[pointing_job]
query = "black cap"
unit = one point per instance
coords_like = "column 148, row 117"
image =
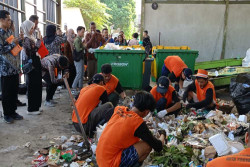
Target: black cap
column 106, row 69
column 97, row 78
column 162, row 84
column 188, row 73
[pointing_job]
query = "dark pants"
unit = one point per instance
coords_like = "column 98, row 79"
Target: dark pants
column 99, row 116
column 9, row 94
column 165, row 72
column 92, row 68
column 161, row 105
column 34, row 85
column 50, row 87
column 114, row 98
column 72, row 74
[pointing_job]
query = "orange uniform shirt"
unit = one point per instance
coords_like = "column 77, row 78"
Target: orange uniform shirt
column 87, row 101
column 175, row 64
column 111, row 84
column 201, row 93
column 242, row 159
column 157, row 96
column 117, row 136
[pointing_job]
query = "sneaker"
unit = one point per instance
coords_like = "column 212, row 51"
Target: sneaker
column 17, row 116
column 53, row 102
column 34, row 113
column 20, row 104
column 49, row 104
column 8, row 119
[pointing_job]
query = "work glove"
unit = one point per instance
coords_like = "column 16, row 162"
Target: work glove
column 162, row 113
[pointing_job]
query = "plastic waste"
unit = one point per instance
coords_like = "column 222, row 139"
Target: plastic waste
column 246, row 60
column 220, row 144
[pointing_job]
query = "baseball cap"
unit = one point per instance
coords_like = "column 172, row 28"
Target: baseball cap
column 97, row 78
column 162, row 84
column 188, row 73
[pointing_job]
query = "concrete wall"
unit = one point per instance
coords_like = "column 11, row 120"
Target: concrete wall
column 200, row 26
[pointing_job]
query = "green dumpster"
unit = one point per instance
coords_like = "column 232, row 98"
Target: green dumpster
column 126, row 65
column 188, row 56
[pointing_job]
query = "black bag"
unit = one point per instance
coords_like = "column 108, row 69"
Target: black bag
column 77, row 56
column 240, row 92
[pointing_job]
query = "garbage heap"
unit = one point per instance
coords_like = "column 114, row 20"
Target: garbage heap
column 197, row 136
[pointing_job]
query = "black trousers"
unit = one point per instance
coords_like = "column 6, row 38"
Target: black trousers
column 72, row 74
column 9, row 94
column 34, row 85
column 50, row 87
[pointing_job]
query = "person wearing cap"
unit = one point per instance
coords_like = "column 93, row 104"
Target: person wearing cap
column 241, row 159
column 167, row 101
column 126, row 140
column 205, row 96
column 90, row 111
column 178, row 70
column 112, row 85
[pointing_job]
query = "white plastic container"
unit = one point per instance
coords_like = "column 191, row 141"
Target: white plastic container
column 220, row 144
column 243, row 118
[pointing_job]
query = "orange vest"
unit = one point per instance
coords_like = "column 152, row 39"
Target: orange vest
column 87, row 101
column 111, row 84
column 175, row 64
column 157, row 96
column 242, row 159
column 201, row 93
column 117, row 136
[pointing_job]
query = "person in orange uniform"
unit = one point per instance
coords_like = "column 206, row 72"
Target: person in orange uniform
column 126, row 140
column 241, row 159
column 178, row 70
column 201, row 93
column 167, row 101
column 112, row 85
column 87, row 104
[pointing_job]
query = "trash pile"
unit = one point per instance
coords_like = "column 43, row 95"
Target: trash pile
column 195, row 138
column 69, row 153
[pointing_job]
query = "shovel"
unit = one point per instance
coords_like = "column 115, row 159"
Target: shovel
column 77, row 115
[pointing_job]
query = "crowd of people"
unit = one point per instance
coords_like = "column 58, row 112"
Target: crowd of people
column 126, row 140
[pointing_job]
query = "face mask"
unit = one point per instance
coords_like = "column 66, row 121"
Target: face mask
column 92, row 32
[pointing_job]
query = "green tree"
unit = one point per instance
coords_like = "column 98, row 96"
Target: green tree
column 92, row 10
column 123, row 15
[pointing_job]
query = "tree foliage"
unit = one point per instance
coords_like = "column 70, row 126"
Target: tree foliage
column 92, row 10
column 123, row 15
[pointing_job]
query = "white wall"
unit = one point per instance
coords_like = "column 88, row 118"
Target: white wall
column 200, row 26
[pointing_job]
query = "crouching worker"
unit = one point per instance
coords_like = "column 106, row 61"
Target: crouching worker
column 178, row 70
column 201, row 93
column 90, row 111
column 112, row 85
column 126, row 140
column 167, row 101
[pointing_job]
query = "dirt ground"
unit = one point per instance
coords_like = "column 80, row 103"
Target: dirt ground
column 40, row 130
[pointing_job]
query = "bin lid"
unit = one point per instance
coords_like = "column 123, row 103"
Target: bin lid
column 175, row 51
column 119, row 51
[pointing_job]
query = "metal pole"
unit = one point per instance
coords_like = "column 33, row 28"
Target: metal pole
column 77, row 115
column 225, row 31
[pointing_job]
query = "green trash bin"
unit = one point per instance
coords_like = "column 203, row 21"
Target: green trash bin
column 188, row 56
column 126, row 65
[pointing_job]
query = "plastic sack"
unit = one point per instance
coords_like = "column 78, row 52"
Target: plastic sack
column 246, row 60
column 240, row 93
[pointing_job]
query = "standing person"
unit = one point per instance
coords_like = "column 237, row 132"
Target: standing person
column 201, row 93
column 34, row 77
column 241, row 159
column 121, row 41
column 50, row 65
column 68, row 52
column 146, row 43
column 9, row 70
column 78, row 56
column 167, row 101
column 88, row 106
column 126, row 140
column 12, row 28
column 134, row 41
column 93, row 40
column 52, row 41
column 178, row 70
column 124, row 39
column 108, row 38
column 35, row 19
column 112, row 85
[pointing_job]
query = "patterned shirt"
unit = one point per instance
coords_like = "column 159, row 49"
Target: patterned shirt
column 55, row 46
column 9, row 65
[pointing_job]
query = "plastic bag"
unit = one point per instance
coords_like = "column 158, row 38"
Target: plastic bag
column 246, row 60
column 240, row 93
